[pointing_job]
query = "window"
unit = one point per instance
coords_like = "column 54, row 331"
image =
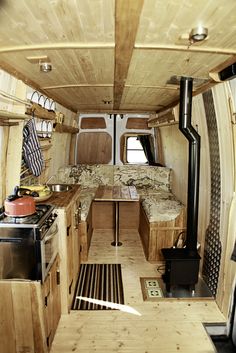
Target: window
column 134, row 151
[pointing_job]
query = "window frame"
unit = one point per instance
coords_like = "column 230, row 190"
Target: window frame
column 134, row 134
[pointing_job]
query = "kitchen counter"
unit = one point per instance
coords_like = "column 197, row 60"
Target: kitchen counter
column 65, row 198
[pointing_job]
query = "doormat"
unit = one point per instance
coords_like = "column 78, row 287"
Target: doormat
column 99, row 287
column 151, row 289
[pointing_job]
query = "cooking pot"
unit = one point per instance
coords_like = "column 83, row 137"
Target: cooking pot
column 18, row 205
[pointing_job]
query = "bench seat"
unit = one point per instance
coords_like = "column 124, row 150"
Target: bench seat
column 161, row 206
column 162, row 216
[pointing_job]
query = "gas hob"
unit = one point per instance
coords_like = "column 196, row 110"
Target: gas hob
column 34, row 220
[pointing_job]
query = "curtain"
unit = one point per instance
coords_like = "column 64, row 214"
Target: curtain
column 146, row 142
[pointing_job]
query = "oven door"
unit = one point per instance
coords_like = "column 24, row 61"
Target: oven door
column 17, row 253
column 49, row 249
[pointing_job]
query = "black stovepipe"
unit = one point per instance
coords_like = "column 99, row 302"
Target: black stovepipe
column 191, row 134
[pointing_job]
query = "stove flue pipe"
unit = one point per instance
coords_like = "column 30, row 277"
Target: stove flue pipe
column 191, row 134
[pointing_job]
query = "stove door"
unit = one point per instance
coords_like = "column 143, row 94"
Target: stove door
column 17, row 255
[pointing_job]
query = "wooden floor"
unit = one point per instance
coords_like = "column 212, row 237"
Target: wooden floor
column 166, row 326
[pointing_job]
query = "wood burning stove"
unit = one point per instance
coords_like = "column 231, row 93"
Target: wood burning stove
column 182, row 265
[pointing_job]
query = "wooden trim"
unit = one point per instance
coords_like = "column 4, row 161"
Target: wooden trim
column 83, row 85
column 127, row 14
column 168, row 87
column 116, row 111
column 55, row 46
column 11, row 115
column 159, row 147
column 186, row 48
column 153, row 124
column 65, row 128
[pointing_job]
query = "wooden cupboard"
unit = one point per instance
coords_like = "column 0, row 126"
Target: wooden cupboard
column 52, row 301
column 69, row 249
column 29, row 313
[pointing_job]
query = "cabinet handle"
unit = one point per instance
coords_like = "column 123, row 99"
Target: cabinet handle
column 48, row 339
column 70, row 286
column 68, row 230
column 46, row 301
column 58, row 277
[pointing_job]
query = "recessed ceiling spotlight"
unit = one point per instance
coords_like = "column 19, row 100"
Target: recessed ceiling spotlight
column 45, row 66
column 198, row 34
column 106, row 101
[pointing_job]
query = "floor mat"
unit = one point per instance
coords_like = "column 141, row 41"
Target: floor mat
column 101, row 282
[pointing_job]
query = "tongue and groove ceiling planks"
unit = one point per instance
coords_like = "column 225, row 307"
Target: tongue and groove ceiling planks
column 123, row 51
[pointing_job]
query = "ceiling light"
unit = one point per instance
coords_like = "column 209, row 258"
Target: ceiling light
column 106, row 101
column 45, row 66
column 198, row 34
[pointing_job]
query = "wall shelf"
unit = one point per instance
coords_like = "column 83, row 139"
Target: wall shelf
column 40, row 112
column 165, row 118
column 10, row 118
column 65, row 128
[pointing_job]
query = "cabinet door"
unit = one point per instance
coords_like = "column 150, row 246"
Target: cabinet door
column 52, row 301
column 56, row 296
column 48, row 308
column 76, row 240
column 70, row 260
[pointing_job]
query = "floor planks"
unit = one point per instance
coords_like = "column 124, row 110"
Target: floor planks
column 166, row 326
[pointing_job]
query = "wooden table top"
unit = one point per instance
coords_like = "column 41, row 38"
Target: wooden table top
column 116, row 193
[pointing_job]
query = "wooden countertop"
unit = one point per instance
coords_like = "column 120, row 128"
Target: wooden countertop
column 65, row 198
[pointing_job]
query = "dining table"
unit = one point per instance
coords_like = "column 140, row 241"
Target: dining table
column 116, row 194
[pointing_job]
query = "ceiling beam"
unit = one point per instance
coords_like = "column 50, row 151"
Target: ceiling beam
column 127, row 14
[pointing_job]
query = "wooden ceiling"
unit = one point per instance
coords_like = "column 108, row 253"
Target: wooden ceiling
column 124, row 52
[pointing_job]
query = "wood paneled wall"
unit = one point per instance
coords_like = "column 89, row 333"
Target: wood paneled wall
column 175, row 156
column 227, row 138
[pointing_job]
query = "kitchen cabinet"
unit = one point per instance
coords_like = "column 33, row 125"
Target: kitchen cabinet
column 22, row 320
column 69, row 250
column 52, row 301
column 30, row 312
column 70, row 255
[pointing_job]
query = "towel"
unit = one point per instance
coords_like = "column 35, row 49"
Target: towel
column 31, row 148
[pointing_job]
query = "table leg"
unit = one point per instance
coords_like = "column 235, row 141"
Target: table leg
column 116, row 241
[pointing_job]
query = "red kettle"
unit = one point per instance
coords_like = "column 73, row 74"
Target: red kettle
column 17, row 205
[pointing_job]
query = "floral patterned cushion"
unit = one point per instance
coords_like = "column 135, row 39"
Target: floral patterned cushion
column 161, row 207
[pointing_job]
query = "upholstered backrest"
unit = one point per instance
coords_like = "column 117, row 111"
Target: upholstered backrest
column 138, row 175
column 88, row 175
column 143, row 176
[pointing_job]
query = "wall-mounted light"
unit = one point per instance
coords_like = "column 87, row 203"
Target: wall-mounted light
column 45, row 66
column 198, row 34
